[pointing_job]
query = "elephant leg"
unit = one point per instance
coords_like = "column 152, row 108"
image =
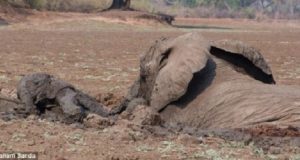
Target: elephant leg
column 66, row 98
column 27, row 99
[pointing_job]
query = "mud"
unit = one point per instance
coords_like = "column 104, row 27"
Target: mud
column 160, row 18
column 9, row 110
column 264, row 136
column 148, row 123
column 272, row 131
column 3, row 22
column 129, row 15
column 109, row 100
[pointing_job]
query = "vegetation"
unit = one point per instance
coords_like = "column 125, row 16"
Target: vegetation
column 237, row 8
column 37, row 4
column 61, row 5
column 187, row 8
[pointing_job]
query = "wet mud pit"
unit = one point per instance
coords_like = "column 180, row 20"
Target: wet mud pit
column 267, row 137
column 263, row 136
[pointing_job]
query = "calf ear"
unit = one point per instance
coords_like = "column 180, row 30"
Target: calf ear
column 243, row 56
column 55, row 86
column 183, row 56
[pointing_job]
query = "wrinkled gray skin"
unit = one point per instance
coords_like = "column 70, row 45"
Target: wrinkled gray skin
column 38, row 91
column 222, row 84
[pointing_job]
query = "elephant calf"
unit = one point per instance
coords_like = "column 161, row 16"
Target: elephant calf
column 39, row 90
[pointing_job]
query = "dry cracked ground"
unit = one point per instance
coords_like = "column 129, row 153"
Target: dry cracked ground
column 101, row 55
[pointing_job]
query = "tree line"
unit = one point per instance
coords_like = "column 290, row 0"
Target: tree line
column 194, row 8
column 276, row 8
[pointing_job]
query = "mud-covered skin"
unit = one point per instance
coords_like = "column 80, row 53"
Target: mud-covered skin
column 39, row 90
column 224, row 84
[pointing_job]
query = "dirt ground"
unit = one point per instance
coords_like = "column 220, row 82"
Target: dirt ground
column 100, row 54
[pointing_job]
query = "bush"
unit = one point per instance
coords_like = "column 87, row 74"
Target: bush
column 249, row 13
column 77, row 5
column 14, row 3
column 60, row 5
column 142, row 5
column 36, row 4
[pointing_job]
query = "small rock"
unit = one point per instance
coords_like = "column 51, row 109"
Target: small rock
column 72, row 149
column 32, row 117
column 109, row 157
column 137, row 136
column 125, row 115
column 144, row 115
column 48, row 135
column 157, row 131
column 9, row 93
column 77, row 125
column 213, row 140
column 188, row 139
column 283, row 157
column 274, row 150
column 18, row 137
column 96, row 121
column 108, row 99
column 31, row 143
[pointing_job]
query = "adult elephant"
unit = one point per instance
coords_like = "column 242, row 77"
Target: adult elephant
column 223, row 84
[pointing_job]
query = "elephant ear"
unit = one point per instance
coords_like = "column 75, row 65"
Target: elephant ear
column 243, row 56
column 55, row 86
column 184, row 56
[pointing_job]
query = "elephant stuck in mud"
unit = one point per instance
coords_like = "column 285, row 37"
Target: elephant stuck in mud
column 39, row 92
column 222, row 84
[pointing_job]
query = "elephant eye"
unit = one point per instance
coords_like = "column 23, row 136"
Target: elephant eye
column 36, row 82
column 164, row 58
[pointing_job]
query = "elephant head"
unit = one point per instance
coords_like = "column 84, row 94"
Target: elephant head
column 191, row 81
column 168, row 67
